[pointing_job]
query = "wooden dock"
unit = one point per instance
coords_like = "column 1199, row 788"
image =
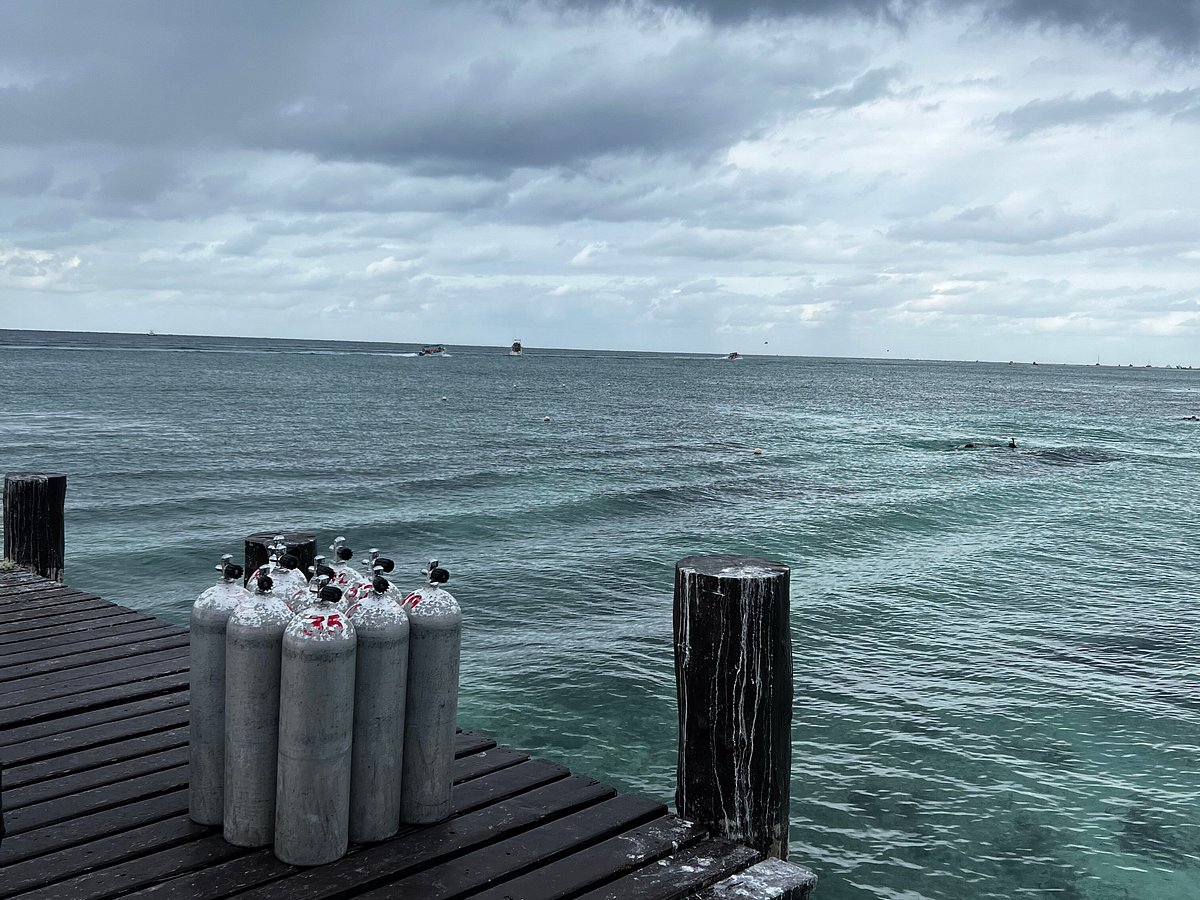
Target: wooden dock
column 93, row 744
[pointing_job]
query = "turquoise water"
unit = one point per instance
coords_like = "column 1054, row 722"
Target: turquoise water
column 997, row 654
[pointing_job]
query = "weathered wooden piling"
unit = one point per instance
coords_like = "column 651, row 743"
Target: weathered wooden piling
column 300, row 544
column 733, row 676
column 34, row 521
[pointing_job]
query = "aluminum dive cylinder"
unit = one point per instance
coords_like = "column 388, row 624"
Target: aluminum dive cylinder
column 316, row 721
column 430, row 717
column 288, row 577
column 380, row 688
column 345, row 576
column 302, row 596
column 208, row 623
column 253, row 644
column 284, row 569
column 364, row 585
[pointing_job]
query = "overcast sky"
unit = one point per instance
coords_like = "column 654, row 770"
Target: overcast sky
column 1009, row 179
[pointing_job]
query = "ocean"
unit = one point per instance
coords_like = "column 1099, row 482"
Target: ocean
column 997, row 664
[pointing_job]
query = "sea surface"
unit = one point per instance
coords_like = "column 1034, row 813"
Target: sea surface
column 997, row 651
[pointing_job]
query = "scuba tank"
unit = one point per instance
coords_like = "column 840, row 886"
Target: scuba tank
column 316, row 721
column 306, row 594
column 284, row 569
column 362, row 587
column 210, row 616
column 253, row 643
column 430, row 717
column 381, row 675
column 345, row 576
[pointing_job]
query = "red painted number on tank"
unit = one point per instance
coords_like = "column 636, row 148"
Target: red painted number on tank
column 331, row 621
column 412, row 599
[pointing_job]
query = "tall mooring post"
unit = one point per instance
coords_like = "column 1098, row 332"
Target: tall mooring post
column 733, row 677
column 34, row 522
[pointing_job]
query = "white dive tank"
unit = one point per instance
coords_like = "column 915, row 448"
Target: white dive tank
column 345, row 576
column 364, row 584
column 302, row 596
column 253, row 644
column 381, row 625
column 284, row 569
column 430, row 717
column 209, row 619
column 316, row 721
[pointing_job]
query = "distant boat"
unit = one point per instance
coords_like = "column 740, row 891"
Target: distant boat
column 734, row 355
column 432, row 350
column 515, row 350
column 151, row 332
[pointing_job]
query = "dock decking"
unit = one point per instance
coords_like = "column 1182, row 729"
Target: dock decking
column 93, row 743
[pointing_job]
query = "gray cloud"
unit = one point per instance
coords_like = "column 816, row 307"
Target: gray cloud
column 621, row 175
column 1023, row 225
column 29, row 183
column 368, row 87
column 1095, row 110
column 1173, row 23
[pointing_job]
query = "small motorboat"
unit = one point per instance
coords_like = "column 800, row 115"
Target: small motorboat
column 734, row 355
column 431, row 350
column 515, row 349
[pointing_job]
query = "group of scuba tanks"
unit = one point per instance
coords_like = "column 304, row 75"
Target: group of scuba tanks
column 323, row 710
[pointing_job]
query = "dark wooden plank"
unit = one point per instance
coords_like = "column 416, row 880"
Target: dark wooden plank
column 383, row 863
column 771, row 879
column 64, row 622
column 602, row 863
column 26, row 613
column 684, row 873
column 483, row 763
column 106, row 696
column 66, row 764
column 84, row 828
column 470, row 742
column 96, row 777
column 464, row 875
column 64, row 665
column 15, row 584
column 48, row 685
column 177, row 872
column 42, row 871
column 93, row 727
column 43, row 597
column 18, row 576
column 78, row 641
column 174, row 832
column 62, row 809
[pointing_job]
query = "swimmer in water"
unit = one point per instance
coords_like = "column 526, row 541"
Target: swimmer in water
column 1012, row 443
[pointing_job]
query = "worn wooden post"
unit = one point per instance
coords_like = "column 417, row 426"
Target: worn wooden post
column 300, row 544
column 733, row 677
column 34, row 523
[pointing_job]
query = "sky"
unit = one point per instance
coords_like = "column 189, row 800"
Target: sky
column 940, row 179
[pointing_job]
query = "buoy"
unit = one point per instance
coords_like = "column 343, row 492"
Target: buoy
column 316, row 718
column 758, row 451
column 430, row 719
column 208, row 624
column 380, row 687
column 545, row 418
column 253, row 642
column 443, row 398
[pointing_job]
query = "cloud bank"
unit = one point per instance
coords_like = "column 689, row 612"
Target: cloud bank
column 936, row 179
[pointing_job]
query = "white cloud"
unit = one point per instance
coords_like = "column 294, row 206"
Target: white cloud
column 961, row 187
